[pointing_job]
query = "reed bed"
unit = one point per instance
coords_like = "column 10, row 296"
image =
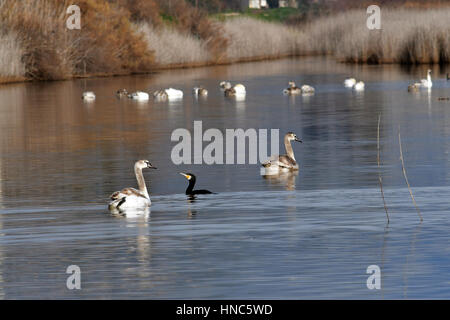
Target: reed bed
column 172, row 47
column 11, row 66
column 408, row 36
column 251, row 38
column 130, row 36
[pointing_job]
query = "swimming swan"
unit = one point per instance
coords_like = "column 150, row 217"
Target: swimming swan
column 174, row 93
column 292, row 89
column 224, row 85
column 359, row 86
column 200, row 91
column 427, row 82
column 88, row 96
column 122, row 93
column 284, row 162
column 350, row 82
column 307, row 89
column 139, row 95
column 130, row 198
column 238, row 90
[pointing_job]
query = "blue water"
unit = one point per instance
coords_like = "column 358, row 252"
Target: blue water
column 305, row 236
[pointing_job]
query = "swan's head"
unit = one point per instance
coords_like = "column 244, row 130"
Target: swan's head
column 429, row 71
column 142, row 164
column 291, row 84
column 292, row 136
column 188, row 176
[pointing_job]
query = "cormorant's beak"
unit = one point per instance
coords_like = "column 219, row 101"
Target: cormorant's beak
column 185, row 175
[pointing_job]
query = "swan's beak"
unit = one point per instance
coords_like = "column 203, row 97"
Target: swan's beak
column 298, row 140
column 150, row 166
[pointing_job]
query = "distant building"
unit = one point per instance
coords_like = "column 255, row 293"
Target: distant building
column 254, row 4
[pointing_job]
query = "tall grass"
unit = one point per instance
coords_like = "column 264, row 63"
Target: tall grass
column 11, row 66
column 172, row 47
column 407, row 36
column 251, row 38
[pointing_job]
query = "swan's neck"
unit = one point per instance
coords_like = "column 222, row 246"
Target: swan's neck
column 141, row 181
column 287, row 145
column 429, row 78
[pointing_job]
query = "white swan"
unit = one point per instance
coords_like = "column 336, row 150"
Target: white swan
column 235, row 91
column 307, row 89
column 174, row 93
column 359, row 86
column 350, row 82
column 139, row 95
column 285, row 162
column 427, row 82
column 292, row 89
column 88, row 96
column 224, row 85
column 130, row 198
column 200, row 91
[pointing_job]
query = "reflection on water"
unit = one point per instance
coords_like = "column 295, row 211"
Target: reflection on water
column 307, row 234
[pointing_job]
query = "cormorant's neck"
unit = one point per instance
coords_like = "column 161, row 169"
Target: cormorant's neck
column 191, row 185
column 287, row 145
column 140, row 181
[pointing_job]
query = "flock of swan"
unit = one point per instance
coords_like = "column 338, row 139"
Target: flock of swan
column 133, row 199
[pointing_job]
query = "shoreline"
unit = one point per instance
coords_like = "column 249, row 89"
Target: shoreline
column 158, row 68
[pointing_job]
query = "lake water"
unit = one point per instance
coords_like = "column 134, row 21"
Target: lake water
column 305, row 236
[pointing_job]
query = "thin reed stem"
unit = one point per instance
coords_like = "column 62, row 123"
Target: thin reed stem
column 380, row 179
column 404, row 174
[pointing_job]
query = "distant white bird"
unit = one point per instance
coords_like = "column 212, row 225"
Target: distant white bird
column 307, row 89
column 174, row 93
column 200, row 91
column 235, row 91
column 139, row 95
column 359, row 86
column 292, row 89
column 225, row 85
column 349, row 83
column 88, row 96
column 427, row 82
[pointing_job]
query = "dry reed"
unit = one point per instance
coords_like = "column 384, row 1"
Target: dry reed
column 406, row 177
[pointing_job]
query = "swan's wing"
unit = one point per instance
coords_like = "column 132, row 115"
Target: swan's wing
column 125, row 193
column 285, row 161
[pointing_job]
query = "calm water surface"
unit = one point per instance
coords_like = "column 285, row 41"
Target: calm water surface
column 310, row 235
